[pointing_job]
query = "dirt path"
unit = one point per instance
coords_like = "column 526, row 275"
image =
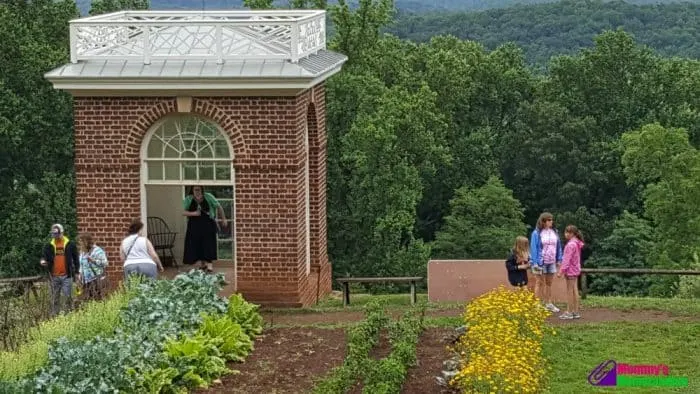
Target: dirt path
column 430, row 354
column 591, row 315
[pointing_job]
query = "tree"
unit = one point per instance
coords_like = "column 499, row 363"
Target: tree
column 479, row 92
column 387, row 153
column 483, row 223
column 648, row 153
column 628, row 246
column 663, row 162
column 358, row 30
column 258, row 4
column 106, row 6
column 36, row 138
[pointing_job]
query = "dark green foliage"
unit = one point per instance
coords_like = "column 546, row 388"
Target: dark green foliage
column 482, row 224
column 36, row 139
column 626, row 247
column 106, row 6
column 564, row 27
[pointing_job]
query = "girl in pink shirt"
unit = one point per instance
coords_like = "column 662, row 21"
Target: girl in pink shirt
column 571, row 269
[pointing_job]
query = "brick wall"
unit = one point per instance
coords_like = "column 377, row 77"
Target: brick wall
column 463, row 280
column 267, row 134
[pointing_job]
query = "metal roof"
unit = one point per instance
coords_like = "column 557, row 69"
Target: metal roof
column 310, row 67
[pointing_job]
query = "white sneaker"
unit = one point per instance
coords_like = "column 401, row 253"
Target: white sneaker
column 566, row 316
column 552, row 308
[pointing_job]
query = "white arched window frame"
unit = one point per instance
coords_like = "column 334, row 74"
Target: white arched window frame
column 186, row 149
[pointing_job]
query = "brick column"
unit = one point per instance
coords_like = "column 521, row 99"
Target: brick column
column 312, row 115
column 270, row 211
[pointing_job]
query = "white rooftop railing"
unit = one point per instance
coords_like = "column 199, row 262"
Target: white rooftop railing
column 198, row 35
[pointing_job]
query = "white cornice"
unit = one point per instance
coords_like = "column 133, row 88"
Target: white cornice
column 121, row 87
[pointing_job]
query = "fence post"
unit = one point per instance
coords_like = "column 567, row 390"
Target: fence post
column 584, row 285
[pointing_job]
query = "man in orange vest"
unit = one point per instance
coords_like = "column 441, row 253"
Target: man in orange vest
column 62, row 261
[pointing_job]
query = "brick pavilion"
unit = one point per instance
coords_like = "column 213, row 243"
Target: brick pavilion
column 230, row 100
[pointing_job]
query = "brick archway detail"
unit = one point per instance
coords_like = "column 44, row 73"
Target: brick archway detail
column 200, row 107
column 227, row 123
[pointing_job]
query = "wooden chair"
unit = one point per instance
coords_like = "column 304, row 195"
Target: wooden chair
column 162, row 238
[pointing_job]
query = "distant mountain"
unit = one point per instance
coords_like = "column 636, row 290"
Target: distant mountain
column 416, row 6
column 545, row 30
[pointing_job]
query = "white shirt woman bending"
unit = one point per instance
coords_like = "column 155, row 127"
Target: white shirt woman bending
column 138, row 254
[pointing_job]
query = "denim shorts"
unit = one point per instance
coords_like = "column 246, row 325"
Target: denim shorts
column 545, row 269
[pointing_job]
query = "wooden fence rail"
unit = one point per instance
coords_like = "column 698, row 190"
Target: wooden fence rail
column 629, row 271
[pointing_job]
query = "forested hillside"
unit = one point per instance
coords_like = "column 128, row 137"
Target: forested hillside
column 403, row 5
column 563, row 28
column 436, row 149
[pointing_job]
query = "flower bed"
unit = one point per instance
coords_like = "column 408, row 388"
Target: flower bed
column 173, row 335
column 501, row 350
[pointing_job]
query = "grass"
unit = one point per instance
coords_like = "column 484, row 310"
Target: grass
column 675, row 306
column 577, row 349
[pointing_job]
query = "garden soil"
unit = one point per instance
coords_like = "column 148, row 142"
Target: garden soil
column 285, row 361
column 289, row 360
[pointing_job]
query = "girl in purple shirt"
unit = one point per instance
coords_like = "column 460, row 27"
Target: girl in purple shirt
column 546, row 255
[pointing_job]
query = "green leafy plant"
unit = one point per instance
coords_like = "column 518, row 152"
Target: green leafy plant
column 361, row 339
column 175, row 305
column 197, row 360
column 387, row 375
column 229, row 337
column 245, row 314
column 158, row 381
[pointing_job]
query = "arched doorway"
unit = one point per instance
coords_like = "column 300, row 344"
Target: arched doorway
column 183, row 150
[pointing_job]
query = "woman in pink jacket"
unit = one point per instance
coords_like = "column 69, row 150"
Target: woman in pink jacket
column 571, row 269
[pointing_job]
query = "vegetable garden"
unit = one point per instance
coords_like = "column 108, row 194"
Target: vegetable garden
column 176, row 336
column 163, row 336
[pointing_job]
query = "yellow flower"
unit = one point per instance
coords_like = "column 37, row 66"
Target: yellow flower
column 506, row 328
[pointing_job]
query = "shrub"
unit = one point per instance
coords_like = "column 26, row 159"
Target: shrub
column 502, row 348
